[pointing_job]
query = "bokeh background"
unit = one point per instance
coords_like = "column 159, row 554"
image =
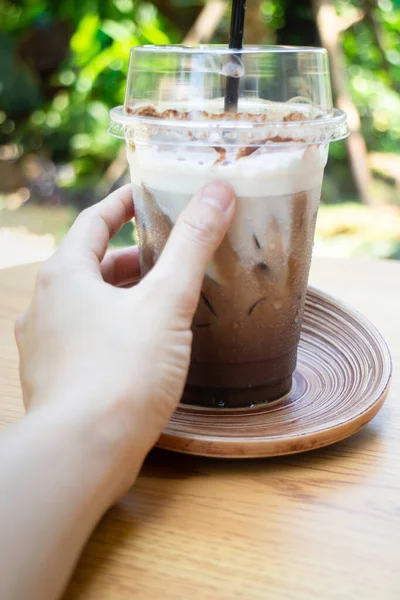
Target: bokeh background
column 63, row 66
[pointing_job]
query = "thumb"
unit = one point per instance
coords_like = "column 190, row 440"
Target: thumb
column 198, row 232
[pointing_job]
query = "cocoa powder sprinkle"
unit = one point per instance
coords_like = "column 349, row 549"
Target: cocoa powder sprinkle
column 172, row 113
column 244, row 151
column 222, row 154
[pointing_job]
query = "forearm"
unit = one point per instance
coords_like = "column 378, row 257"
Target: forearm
column 59, row 474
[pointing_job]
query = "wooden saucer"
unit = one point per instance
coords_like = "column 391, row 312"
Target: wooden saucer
column 341, row 381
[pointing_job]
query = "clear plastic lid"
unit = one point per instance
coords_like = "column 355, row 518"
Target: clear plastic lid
column 284, row 96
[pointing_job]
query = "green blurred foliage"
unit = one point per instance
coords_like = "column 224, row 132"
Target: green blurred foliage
column 60, row 107
column 375, row 76
column 63, row 65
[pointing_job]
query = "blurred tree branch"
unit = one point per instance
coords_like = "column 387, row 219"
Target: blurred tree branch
column 256, row 31
column 206, row 23
column 376, row 28
column 347, row 21
column 328, row 27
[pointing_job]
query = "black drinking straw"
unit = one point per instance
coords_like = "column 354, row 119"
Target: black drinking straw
column 235, row 43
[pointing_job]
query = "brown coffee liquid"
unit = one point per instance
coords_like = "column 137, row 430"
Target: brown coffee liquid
column 247, row 325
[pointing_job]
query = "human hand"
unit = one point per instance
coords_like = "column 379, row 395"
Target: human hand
column 119, row 357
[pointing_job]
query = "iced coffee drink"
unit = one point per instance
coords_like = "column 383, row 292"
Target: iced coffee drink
column 247, row 325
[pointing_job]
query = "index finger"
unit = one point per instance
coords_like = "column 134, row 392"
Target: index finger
column 95, row 226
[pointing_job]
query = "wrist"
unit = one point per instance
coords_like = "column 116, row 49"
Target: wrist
column 93, row 433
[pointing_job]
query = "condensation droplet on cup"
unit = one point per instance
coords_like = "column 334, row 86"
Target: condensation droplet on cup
column 235, row 325
column 272, row 246
column 278, row 304
column 232, row 69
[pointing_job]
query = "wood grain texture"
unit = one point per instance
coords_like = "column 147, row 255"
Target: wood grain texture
column 323, row 525
column 341, row 380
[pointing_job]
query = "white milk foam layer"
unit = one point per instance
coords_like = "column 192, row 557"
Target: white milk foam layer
column 266, row 172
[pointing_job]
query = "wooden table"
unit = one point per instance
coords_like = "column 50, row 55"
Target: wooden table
column 321, row 525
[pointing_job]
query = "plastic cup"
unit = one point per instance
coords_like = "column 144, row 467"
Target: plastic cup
column 273, row 152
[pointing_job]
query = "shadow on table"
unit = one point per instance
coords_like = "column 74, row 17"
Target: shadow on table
column 164, row 478
column 172, row 465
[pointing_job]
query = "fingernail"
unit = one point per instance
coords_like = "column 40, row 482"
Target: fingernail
column 218, row 194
